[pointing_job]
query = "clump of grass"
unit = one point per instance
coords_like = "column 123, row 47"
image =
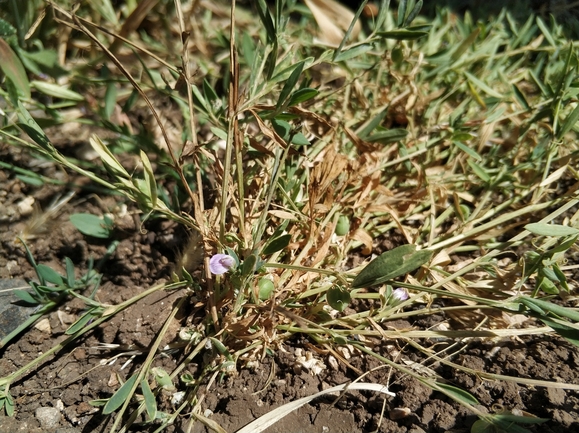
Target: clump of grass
column 454, row 138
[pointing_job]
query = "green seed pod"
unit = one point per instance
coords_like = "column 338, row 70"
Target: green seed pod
column 465, row 211
column 397, row 55
column 343, row 225
column 266, row 288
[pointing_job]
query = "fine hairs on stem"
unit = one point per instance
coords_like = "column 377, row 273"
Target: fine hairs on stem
column 191, row 256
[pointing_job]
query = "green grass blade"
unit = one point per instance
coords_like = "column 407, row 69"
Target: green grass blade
column 349, row 31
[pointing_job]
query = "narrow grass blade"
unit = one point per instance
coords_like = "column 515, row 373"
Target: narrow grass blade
column 464, row 45
column 350, row 29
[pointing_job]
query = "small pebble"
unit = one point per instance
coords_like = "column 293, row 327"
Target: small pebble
column 49, row 417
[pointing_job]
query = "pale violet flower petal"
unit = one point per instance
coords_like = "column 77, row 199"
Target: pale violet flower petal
column 400, row 295
column 221, row 263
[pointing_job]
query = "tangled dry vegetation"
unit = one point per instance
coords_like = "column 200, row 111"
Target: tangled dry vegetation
column 355, row 175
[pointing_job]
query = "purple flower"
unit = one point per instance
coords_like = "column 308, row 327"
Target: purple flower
column 399, row 295
column 221, row 263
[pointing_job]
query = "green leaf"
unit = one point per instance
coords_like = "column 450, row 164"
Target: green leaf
column 220, row 347
column 282, row 128
column 91, row 225
column 150, row 182
column 482, row 426
column 457, row 394
column 560, row 277
column 521, row 98
column 70, row 277
column 31, row 180
column 383, row 10
column 108, row 158
column 56, row 91
column 338, row 298
column 353, row 52
column 413, row 13
column 338, row 51
column 342, row 226
column 543, row 229
column 520, row 419
column 567, row 332
column 248, row 266
column 33, row 129
column 546, row 32
column 302, row 95
column 266, row 19
column 26, row 297
column 388, row 136
column 394, row 263
column 403, row 34
column 123, row 393
column 276, row 244
column 110, row 100
column 483, row 86
column 290, row 84
column 13, row 69
column 81, row 322
column 478, row 170
column 464, row 45
column 9, row 405
column 209, row 91
column 300, row 139
column 49, row 275
column 569, row 123
column 467, row 150
column 163, row 378
column 541, row 307
column 402, row 5
column 150, row 401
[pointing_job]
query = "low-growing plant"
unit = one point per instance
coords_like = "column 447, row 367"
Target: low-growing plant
column 444, row 134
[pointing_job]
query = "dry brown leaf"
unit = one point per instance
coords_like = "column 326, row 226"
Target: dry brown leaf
column 283, row 215
column 362, row 235
column 452, row 287
column 333, row 20
column 441, row 259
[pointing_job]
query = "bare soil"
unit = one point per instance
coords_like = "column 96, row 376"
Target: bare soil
column 87, row 370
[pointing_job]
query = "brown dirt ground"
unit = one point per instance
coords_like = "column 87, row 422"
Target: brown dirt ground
column 84, row 372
